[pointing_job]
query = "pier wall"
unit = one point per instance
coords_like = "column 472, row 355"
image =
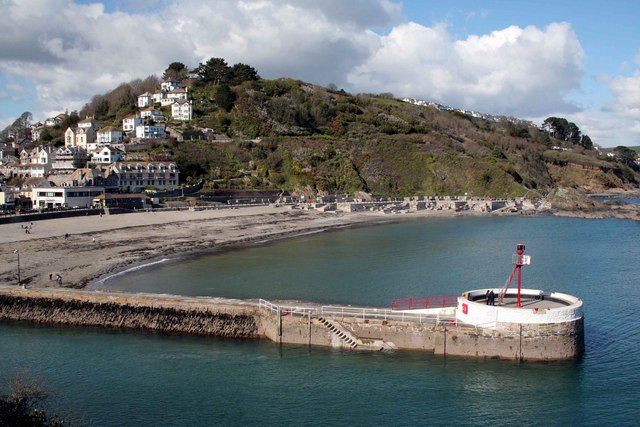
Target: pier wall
column 139, row 315
column 245, row 319
column 556, row 341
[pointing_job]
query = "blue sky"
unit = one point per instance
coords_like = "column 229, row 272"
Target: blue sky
column 608, row 31
column 529, row 59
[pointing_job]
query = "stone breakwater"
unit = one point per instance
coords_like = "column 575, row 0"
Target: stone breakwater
column 307, row 325
column 135, row 315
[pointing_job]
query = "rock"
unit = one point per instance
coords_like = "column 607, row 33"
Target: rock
column 569, row 199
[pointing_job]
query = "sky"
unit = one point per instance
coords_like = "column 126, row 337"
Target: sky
column 530, row 59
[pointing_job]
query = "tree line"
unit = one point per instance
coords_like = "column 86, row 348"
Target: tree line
column 564, row 130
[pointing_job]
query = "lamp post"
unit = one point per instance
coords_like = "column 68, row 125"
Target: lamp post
column 17, row 252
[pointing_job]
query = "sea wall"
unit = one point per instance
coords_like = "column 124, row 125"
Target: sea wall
column 246, row 319
column 213, row 321
column 556, row 341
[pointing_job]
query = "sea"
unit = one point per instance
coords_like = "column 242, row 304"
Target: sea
column 124, row 378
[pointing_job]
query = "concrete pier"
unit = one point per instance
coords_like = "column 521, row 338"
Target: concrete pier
column 357, row 328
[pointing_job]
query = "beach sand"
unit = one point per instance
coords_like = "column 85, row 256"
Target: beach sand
column 100, row 245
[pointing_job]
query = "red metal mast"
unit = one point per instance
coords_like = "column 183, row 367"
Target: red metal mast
column 519, row 251
column 518, row 260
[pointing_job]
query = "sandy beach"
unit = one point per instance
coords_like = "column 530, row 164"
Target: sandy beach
column 97, row 246
column 100, row 245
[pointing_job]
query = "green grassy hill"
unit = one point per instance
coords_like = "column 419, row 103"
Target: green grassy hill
column 287, row 134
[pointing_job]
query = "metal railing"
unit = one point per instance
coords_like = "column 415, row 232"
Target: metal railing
column 362, row 313
column 287, row 310
column 425, row 302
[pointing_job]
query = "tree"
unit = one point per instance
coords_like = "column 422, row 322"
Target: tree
column 20, row 128
column 557, row 127
column 23, row 406
column 70, row 120
column 562, row 129
column 626, row 155
column 586, row 142
column 243, row 73
column 175, row 71
column 215, row 71
column 225, row 97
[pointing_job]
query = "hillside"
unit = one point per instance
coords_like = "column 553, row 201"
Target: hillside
column 287, row 134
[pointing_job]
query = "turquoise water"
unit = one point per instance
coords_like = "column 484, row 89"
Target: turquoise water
column 125, row 378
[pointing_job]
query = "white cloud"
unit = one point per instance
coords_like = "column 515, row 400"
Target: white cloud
column 626, row 93
column 71, row 52
column 517, row 71
column 625, row 110
column 15, row 87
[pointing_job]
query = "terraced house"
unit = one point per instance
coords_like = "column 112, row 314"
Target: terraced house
column 136, row 176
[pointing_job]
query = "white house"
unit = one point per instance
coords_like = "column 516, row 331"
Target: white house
column 151, row 114
column 144, row 100
column 107, row 155
column 109, row 135
column 89, row 122
column 182, row 109
column 131, row 122
column 169, row 85
column 179, row 93
column 38, row 161
column 36, row 132
column 158, row 97
column 53, row 121
column 64, row 197
column 150, row 132
column 133, row 176
column 69, row 158
column 79, row 137
column 174, row 95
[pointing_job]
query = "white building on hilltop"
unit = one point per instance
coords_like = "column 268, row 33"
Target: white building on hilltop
column 150, row 132
column 109, row 135
column 151, row 114
column 107, row 155
column 144, row 100
column 182, row 109
column 79, row 137
column 131, row 122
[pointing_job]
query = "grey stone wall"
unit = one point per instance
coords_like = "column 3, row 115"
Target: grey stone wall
column 242, row 320
column 118, row 315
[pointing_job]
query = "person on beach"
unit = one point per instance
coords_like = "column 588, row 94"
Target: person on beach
column 487, row 297
column 492, row 298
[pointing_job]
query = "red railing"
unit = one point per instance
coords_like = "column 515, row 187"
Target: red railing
column 424, row 302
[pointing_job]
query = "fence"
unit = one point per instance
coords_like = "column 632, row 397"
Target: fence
column 425, row 302
column 362, row 313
